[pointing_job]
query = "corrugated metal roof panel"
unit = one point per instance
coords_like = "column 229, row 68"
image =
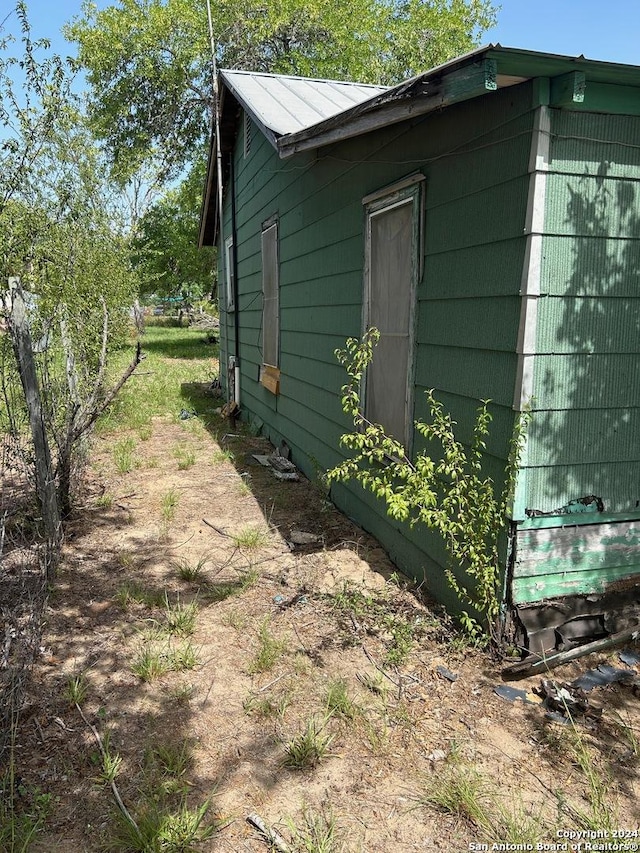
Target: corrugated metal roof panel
column 286, row 104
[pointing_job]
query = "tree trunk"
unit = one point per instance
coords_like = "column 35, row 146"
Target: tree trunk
column 45, row 480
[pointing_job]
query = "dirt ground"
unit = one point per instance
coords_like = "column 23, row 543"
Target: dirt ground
column 277, row 626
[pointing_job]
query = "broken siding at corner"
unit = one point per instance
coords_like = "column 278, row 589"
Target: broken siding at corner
column 574, row 558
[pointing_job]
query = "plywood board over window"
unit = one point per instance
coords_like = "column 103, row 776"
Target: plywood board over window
column 393, row 233
column 270, row 373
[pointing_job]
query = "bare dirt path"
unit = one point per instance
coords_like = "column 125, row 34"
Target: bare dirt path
column 311, row 688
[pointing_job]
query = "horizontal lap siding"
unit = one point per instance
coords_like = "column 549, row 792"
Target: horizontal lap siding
column 467, row 309
column 586, row 401
column 469, row 305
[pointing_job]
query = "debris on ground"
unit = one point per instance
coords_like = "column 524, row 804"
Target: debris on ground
column 445, row 673
column 515, row 694
column 629, row 657
column 282, row 467
column 602, row 676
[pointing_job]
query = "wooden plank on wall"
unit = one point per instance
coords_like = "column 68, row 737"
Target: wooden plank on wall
column 270, row 378
column 524, row 590
column 572, row 549
column 574, row 559
column 475, row 79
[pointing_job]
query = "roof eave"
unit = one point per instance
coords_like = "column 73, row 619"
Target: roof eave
column 478, row 72
column 394, row 105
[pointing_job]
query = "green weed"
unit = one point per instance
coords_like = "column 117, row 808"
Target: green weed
column 133, row 592
column 449, row 493
column 23, row 813
column 270, row 650
column 180, row 618
column 188, row 571
column 111, row 761
column 76, row 689
column 602, row 812
column 626, row 734
column 168, row 764
column 264, row 706
column 235, row 619
column 459, row 790
column 182, row 693
column 151, row 663
column 184, row 657
column 374, row 682
column 402, row 636
column 161, row 829
column 338, row 701
column 251, row 537
column 169, row 506
column 308, row 749
column 156, row 657
column 225, row 589
column 123, row 455
column 317, row 835
column 186, row 458
column 222, row 455
column 462, row 791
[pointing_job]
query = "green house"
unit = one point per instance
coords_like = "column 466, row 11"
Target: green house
column 485, row 216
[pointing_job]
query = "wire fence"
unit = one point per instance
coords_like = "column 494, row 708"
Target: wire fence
column 24, row 561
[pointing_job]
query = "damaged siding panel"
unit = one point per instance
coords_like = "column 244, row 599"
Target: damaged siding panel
column 580, row 559
column 597, row 581
column 556, row 485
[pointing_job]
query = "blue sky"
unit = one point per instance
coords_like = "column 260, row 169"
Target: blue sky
column 596, row 28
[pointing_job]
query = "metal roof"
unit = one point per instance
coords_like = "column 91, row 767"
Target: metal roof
column 284, row 104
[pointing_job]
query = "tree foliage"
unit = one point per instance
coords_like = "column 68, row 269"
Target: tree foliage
column 33, row 86
column 149, row 69
column 60, row 246
column 166, row 255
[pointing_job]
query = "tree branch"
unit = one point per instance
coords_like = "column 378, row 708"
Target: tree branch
column 82, row 428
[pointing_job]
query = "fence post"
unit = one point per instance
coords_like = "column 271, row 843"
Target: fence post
column 45, row 480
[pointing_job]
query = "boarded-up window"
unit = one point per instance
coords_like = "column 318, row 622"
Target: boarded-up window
column 229, row 275
column 270, row 296
column 391, row 273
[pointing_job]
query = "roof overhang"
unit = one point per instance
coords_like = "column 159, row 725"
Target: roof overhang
column 479, row 72
column 279, row 105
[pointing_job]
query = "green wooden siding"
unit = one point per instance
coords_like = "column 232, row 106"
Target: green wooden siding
column 475, row 161
column 475, row 157
column 586, row 399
